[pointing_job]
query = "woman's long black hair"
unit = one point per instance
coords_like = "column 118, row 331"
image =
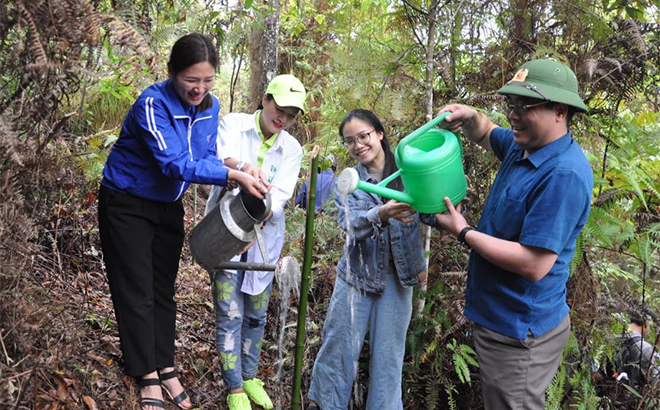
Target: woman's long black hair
column 370, row 118
column 189, row 50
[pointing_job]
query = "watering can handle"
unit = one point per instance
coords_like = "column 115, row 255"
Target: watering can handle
column 421, row 130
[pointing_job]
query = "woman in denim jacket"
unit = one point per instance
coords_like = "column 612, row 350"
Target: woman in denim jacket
column 382, row 259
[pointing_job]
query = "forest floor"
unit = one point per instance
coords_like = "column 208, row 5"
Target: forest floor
column 59, row 346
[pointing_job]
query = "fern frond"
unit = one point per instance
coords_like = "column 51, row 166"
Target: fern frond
column 450, row 390
column 432, row 394
column 462, row 369
column 633, row 32
column 590, row 65
column 607, row 198
column 35, row 45
column 459, row 274
column 634, row 182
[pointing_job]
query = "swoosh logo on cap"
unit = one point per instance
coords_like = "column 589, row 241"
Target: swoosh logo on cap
column 294, row 91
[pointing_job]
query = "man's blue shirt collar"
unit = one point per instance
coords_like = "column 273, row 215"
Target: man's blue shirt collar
column 547, row 151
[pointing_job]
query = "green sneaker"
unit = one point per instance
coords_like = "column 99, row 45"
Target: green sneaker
column 238, row 401
column 255, row 391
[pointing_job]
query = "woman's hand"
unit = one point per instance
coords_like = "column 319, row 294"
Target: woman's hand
column 256, row 173
column 248, row 183
column 246, row 248
column 399, row 211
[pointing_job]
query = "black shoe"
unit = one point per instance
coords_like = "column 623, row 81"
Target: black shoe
column 178, row 399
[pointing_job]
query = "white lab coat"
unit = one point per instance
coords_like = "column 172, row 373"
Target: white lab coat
column 238, row 138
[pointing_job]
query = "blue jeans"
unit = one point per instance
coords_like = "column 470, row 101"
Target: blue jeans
column 387, row 316
column 239, row 324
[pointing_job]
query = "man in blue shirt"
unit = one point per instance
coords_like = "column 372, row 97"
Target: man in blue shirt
column 325, row 184
column 525, row 239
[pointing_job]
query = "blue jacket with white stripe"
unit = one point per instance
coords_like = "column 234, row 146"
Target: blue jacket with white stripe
column 164, row 145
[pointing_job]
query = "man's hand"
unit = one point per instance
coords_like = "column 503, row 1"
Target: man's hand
column 399, row 211
column 459, row 114
column 451, row 220
column 468, row 121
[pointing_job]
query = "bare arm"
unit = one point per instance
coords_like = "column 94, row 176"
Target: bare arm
column 530, row 262
column 472, row 124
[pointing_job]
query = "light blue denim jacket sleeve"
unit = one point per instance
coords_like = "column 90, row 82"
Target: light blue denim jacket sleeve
column 366, row 256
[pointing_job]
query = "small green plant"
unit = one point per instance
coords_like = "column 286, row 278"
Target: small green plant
column 450, row 389
column 462, row 356
column 99, row 323
column 555, row 392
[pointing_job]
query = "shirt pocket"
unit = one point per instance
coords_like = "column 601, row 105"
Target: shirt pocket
column 509, row 216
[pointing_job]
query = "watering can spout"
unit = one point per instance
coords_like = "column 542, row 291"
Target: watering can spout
column 349, row 181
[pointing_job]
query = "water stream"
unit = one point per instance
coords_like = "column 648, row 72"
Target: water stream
column 353, row 296
column 288, row 277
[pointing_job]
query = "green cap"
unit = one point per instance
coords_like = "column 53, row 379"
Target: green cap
column 287, row 91
column 547, row 80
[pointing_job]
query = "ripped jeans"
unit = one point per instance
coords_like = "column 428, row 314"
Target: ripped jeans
column 240, row 320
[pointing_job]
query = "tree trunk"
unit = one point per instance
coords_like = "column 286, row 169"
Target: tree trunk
column 263, row 51
column 428, row 103
column 430, row 63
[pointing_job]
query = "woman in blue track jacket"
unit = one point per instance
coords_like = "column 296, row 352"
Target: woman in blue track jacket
column 167, row 141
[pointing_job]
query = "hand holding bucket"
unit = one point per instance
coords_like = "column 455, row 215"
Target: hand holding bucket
column 430, row 166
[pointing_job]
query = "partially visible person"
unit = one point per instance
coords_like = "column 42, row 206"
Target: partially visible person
column 167, row 141
column 259, row 144
column 382, row 260
column 637, row 356
column 526, row 237
column 325, row 185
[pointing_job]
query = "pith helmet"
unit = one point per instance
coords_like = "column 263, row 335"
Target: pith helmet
column 548, row 80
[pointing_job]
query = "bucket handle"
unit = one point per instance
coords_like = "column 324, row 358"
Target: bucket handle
column 421, row 130
column 260, row 242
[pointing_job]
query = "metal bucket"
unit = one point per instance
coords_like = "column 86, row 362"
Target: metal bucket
column 227, row 229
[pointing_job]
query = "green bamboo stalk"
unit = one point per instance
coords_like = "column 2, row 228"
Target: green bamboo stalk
column 194, row 213
column 304, row 282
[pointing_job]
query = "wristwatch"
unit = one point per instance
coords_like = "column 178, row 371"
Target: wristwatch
column 461, row 234
column 240, row 165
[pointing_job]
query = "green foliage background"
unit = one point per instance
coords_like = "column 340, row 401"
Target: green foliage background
column 69, row 74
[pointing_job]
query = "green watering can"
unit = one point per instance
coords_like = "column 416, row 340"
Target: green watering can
column 430, row 166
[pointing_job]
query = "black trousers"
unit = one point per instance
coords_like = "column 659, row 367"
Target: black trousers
column 141, row 241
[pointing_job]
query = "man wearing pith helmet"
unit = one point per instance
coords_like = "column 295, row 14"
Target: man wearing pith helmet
column 525, row 239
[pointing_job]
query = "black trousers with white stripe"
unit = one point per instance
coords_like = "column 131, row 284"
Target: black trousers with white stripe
column 141, row 241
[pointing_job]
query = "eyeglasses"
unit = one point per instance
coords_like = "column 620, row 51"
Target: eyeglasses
column 522, row 109
column 363, row 139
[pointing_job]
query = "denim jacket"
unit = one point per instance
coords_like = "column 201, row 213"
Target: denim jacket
column 366, row 256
